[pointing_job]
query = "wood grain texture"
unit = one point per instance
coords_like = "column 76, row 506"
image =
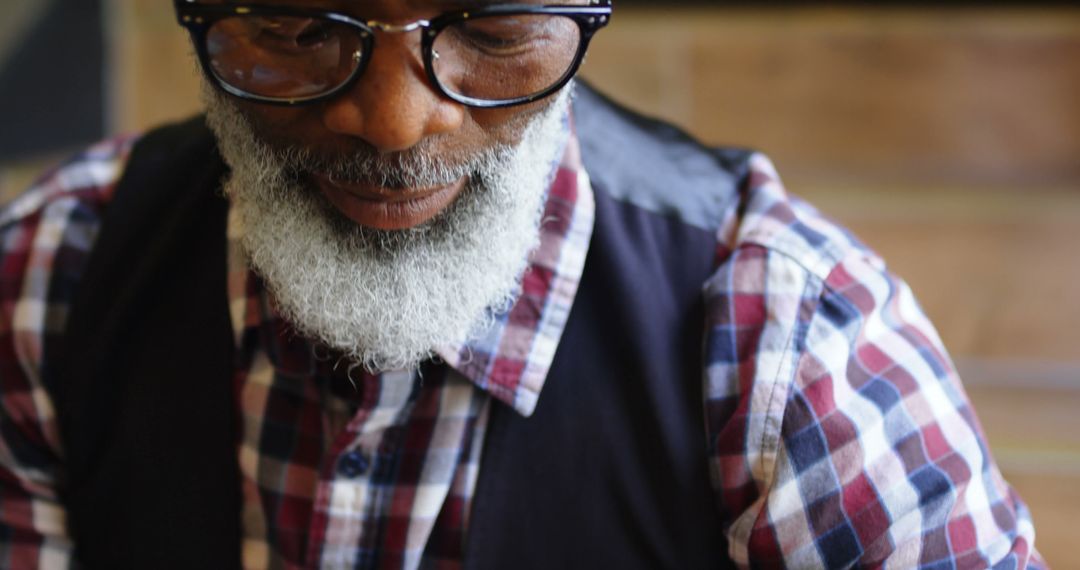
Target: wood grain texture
column 905, row 96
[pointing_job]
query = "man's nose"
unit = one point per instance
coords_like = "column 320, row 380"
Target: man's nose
column 393, row 106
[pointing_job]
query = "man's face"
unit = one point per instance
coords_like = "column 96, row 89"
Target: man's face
column 391, row 113
column 389, row 221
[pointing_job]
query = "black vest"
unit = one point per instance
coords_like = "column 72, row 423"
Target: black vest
column 611, row 470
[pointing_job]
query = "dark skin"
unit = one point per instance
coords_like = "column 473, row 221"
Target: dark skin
column 392, row 109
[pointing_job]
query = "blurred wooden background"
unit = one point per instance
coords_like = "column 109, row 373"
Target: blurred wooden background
column 948, row 139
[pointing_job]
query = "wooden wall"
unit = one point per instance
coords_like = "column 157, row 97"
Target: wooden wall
column 899, row 96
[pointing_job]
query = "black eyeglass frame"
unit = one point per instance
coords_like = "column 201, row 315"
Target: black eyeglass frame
column 198, row 19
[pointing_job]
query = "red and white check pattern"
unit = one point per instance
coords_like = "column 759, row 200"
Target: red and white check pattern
column 44, row 237
column 839, row 429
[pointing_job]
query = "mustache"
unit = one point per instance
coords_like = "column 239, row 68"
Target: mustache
column 432, row 162
column 414, row 168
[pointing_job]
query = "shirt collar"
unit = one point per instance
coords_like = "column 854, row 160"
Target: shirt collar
column 511, row 360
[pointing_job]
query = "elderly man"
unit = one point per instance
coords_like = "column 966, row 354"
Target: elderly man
column 407, row 298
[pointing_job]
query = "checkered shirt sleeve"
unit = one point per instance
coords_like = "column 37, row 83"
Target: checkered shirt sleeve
column 45, row 237
column 839, row 432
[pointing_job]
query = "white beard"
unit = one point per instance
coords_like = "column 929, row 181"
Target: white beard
column 388, row 299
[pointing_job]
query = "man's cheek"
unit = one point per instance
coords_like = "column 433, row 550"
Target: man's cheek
column 282, row 125
column 506, row 126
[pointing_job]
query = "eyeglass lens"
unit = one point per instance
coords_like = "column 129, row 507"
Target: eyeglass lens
column 500, row 58
column 491, row 58
column 283, row 57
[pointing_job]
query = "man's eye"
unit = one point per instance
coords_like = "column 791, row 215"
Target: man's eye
column 501, row 36
column 493, row 41
column 289, row 32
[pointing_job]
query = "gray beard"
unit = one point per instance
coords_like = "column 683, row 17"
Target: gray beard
column 389, row 299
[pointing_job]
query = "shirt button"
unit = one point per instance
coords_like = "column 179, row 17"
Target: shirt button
column 353, row 464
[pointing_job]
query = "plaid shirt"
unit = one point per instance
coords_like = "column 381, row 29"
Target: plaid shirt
column 838, row 431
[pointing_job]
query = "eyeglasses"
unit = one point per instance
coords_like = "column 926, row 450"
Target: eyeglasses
column 495, row 56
